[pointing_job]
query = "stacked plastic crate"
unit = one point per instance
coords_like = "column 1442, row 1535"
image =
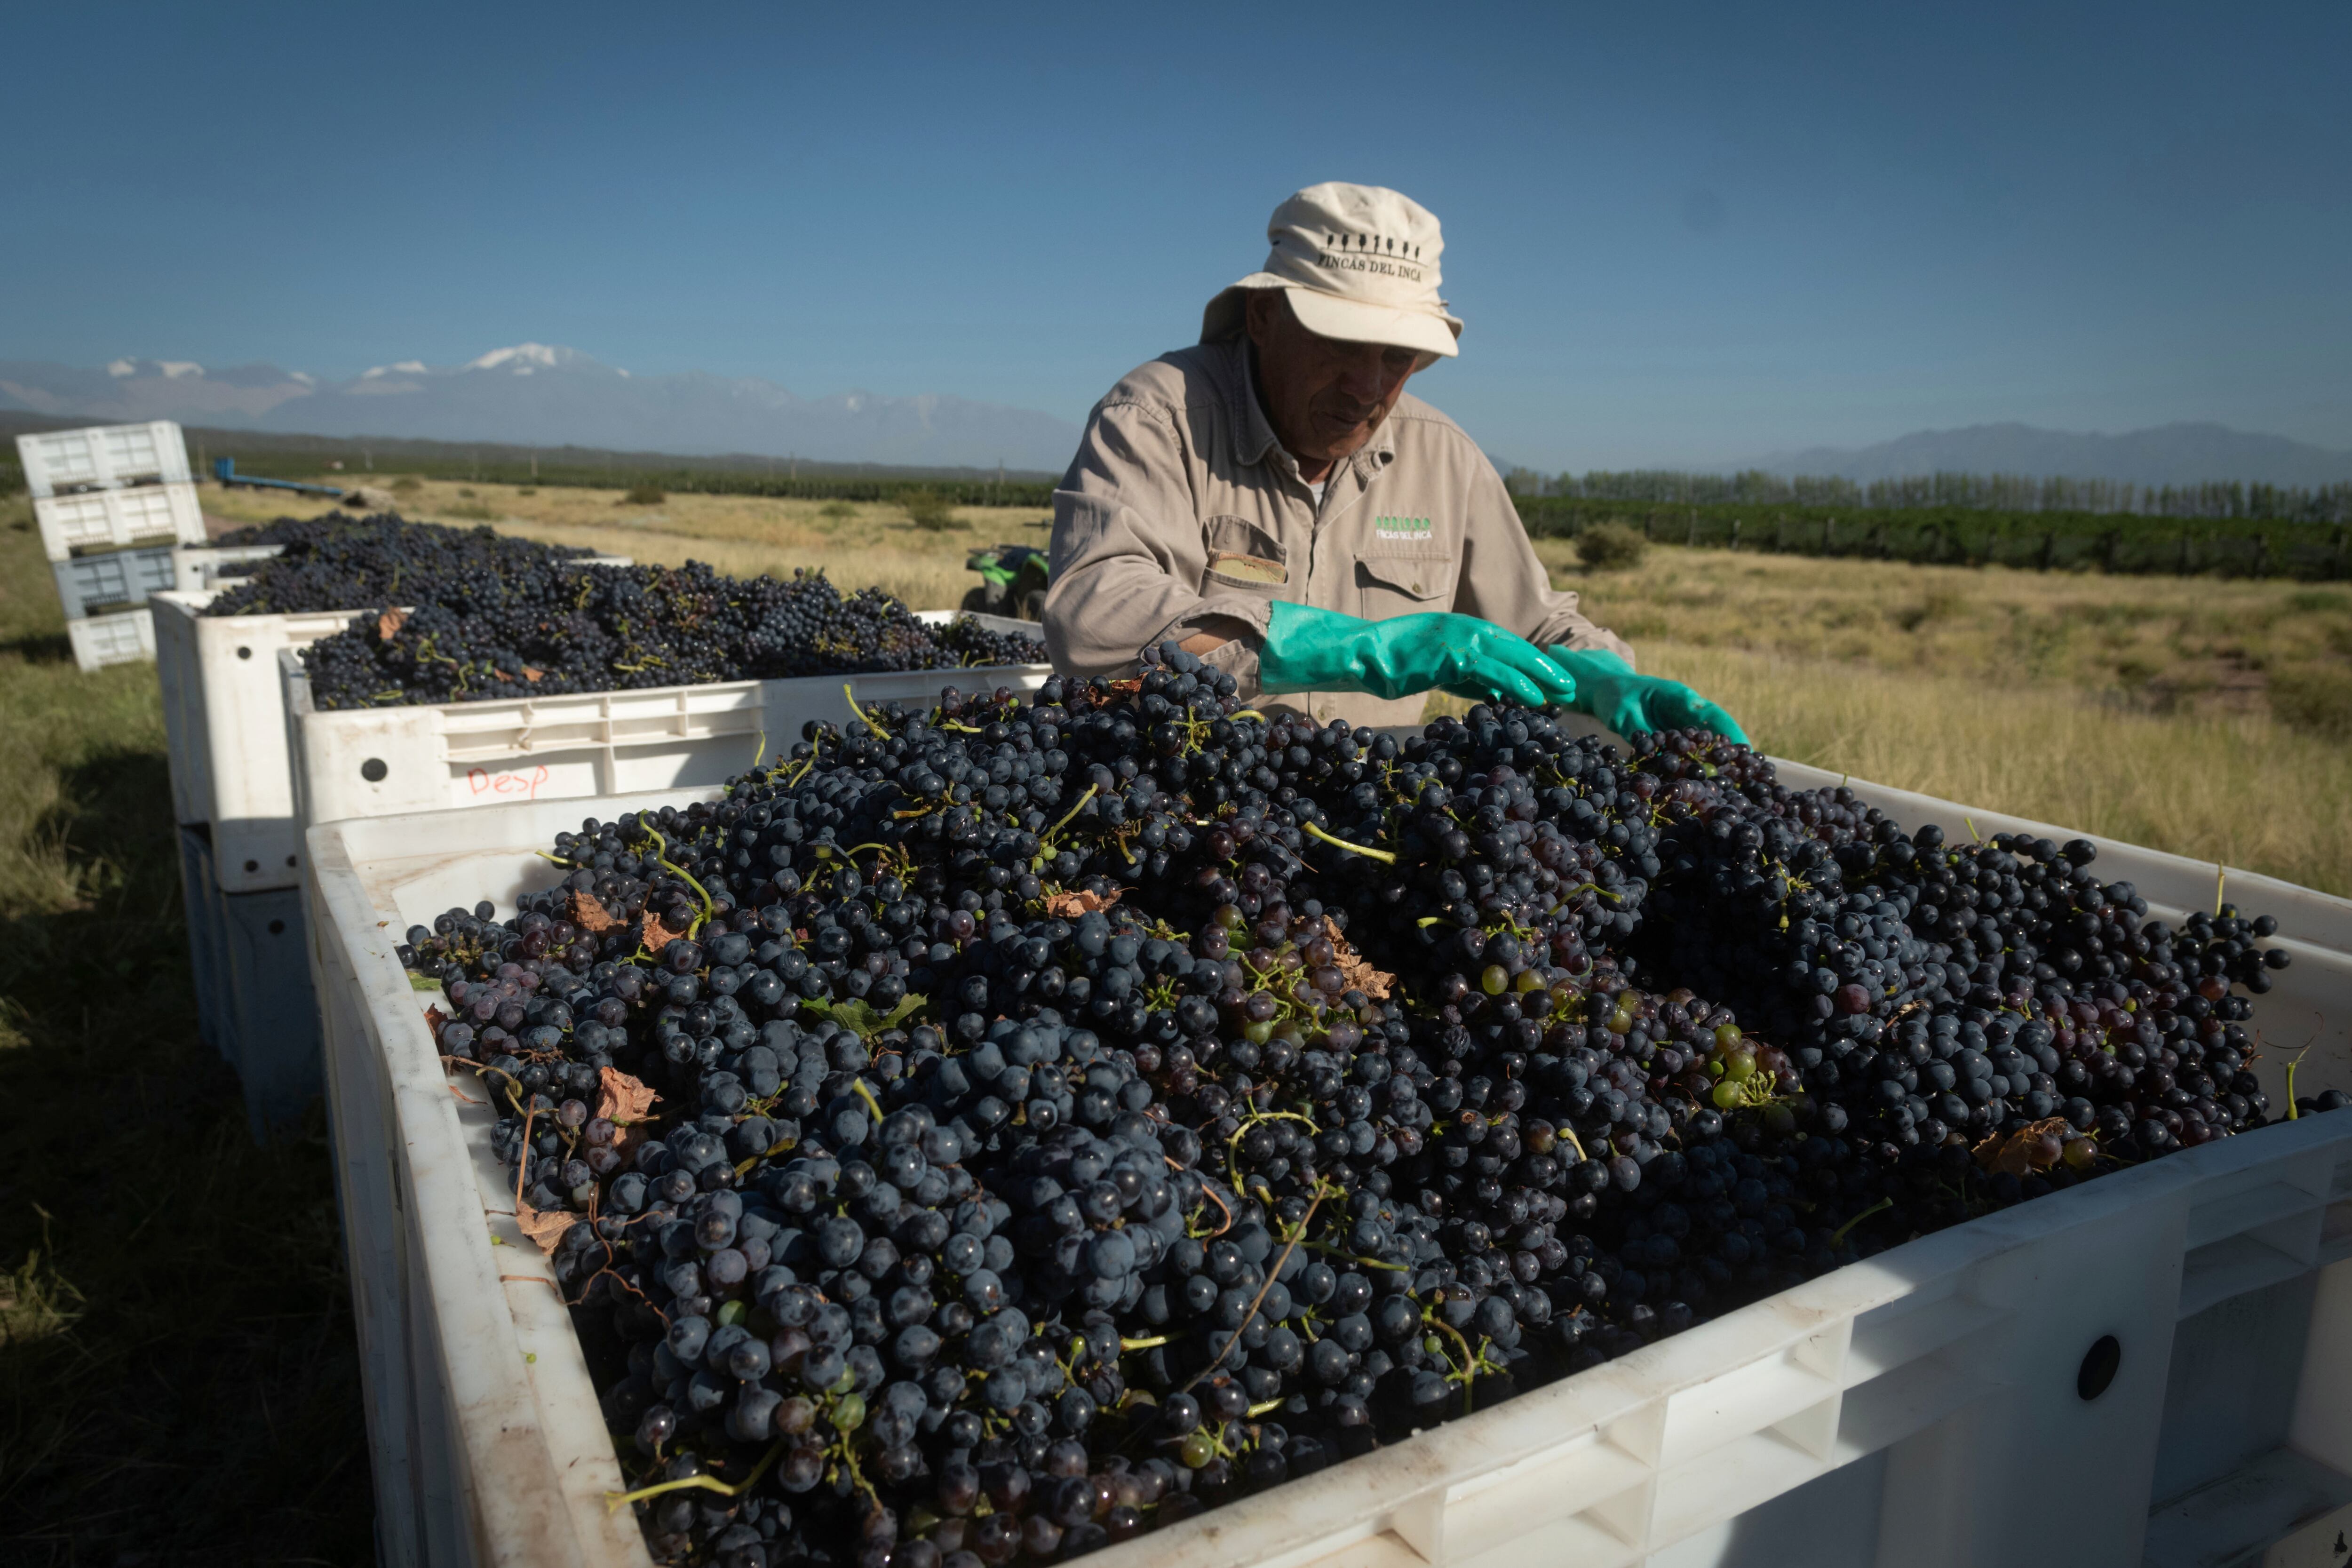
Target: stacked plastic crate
column 111, row 502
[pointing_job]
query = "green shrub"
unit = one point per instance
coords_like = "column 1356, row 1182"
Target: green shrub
column 408, row 484
column 643, row 495
column 1610, row 547
column 929, row 510
column 839, row 511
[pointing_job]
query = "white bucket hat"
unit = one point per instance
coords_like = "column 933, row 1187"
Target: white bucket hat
column 1359, row 264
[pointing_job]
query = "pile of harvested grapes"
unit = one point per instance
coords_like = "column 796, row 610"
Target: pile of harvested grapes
column 343, row 563
column 545, row 628
column 1006, row 1129
column 454, row 616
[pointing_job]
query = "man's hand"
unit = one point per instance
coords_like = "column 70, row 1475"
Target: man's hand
column 1609, row 691
column 1310, row 649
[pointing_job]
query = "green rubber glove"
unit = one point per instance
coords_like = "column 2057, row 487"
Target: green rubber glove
column 1608, row 690
column 1307, row 650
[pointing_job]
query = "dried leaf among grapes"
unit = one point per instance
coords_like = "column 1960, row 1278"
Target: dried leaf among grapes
column 1069, row 906
column 531, row 674
column 1353, row 968
column 545, row 1227
column 657, row 935
column 388, row 625
column 622, row 1099
column 589, row 913
column 2033, row 1147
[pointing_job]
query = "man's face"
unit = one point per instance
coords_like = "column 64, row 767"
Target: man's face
column 1323, row 397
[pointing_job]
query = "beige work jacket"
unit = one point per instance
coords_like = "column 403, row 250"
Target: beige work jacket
column 1181, row 506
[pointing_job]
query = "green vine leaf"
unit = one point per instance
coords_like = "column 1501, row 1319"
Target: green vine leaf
column 854, row 1015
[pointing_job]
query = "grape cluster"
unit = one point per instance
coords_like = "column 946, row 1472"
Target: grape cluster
column 1004, row 1128
column 340, row 562
column 2085, row 1009
column 541, row 628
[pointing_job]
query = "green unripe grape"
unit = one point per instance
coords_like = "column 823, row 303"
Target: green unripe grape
column 1258, row 1034
column 2079, row 1153
column 1529, row 980
column 1779, row 1120
column 1496, row 980
column 1621, row 1023
column 849, row 1412
column 1727, row 1036
column 1738, row 1065
column 1197, row 1450
column 1725, row 1095
column 733, row 1313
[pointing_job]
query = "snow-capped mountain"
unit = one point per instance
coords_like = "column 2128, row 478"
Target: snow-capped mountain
column 534, row 393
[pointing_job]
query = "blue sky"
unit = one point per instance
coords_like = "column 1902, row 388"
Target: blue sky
column 1684, row 232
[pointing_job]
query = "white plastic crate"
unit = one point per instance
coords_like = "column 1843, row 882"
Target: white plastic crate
column 225, row 721
column 100, row 640
column 100, row 584
column 116, row 519
column 226, row 728
column 378, row 762
column 252, row 977
column 1922, row 1407
column 200, row 568
column 103, row 457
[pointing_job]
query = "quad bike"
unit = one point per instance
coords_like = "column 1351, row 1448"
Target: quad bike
column 1013, row 582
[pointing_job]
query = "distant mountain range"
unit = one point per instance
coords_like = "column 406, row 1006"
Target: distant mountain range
column 2167, row 455
column 535, row 395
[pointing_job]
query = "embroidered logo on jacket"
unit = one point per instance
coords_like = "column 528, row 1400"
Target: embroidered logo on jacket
column 1401, row 527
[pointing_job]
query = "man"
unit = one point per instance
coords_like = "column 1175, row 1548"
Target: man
column 1272, row 501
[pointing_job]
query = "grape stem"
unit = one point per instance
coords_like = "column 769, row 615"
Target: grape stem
column 1045, row 844
column 1322, row 1190
column 866, row 1095
column 616, row 1501
column 1386, row 856
column 661, row 858
column 2292, row 1114
column 1837, row 1238
column 847, row 692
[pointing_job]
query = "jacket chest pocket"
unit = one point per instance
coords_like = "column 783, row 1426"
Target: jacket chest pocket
column 1240, row 554
column 1405, row 582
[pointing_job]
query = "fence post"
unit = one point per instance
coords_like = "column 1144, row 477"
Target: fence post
column 2049, row 550
column 2262, row 555
column 1828, row 534
column 1734, row 538
column 2108, row 550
